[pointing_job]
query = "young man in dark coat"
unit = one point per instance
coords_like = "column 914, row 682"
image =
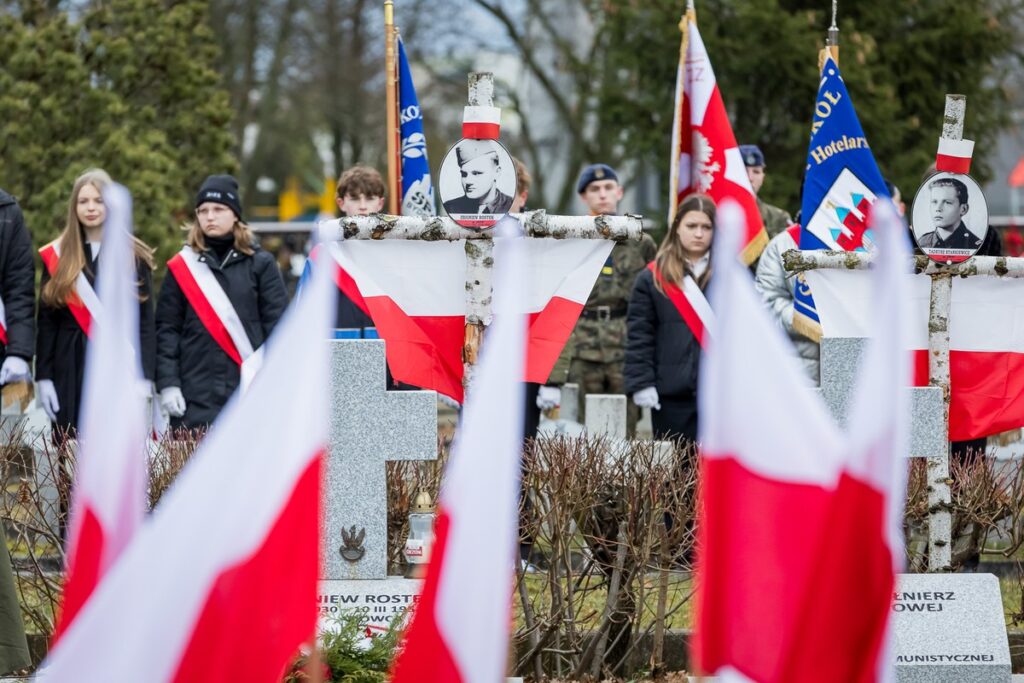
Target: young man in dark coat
column 195, row 375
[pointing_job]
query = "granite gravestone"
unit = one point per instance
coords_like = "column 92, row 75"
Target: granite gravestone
column 949, row 628
column 369, row 426
column 840, row 365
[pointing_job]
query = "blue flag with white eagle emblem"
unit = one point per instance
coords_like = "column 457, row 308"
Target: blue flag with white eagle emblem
column 841, row 184
column 417, row 188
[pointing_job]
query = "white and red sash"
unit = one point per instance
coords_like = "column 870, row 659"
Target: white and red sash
column 691, row 303
column 215, row 310
column 83, row 302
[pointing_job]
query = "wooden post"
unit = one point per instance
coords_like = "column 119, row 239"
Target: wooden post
column 940, row 545
column 391, row 104
column 479, row 257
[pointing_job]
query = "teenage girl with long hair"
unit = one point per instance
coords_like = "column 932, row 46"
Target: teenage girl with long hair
column 70, row 265
column 662, row 352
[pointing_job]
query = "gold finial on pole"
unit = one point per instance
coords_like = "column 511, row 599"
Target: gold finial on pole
column 391, row 102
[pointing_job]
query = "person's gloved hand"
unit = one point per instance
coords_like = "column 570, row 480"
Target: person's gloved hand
column 46, row 394
column 14, row 369
column 172, row 401
column 549, row 397
column 647, row 398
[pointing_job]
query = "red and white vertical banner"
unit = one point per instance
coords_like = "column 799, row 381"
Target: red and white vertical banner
column 108, row 503
column 799, row 522
column 220, row 583
column 705, row 156
column 460, row 629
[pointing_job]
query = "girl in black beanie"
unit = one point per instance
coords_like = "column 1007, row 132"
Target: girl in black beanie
column 219, row 302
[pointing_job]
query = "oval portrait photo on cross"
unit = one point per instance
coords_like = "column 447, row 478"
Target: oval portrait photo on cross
column 477, row 182
column 949, row 217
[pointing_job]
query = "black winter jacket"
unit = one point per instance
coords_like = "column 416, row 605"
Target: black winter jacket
column 661, row 351
column 188, row 357
column 61, row 343
column 17, row 280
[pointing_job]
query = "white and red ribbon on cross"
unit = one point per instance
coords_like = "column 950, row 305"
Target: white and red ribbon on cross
column 954, row 156
column 481, row 123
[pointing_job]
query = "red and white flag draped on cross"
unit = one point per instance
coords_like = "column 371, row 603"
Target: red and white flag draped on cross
column 705, row 156
column 986, row 348
column 415, row 292
column 220, row 583
column 460, row 628
column 800, row 522
column 109, row 499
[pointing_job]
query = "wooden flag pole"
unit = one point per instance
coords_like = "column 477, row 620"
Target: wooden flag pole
column 391, row 99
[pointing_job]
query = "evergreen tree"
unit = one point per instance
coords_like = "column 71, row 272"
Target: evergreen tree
column 128, row 86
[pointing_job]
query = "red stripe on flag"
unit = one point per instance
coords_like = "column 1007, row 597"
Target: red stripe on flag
column 950, row 164
column 204, row 311
column 682, row 304
column 779, row 558
column 349, row 288
column 3, row 335
column 987, row 391
column 83, row 570
column 425, row 657
column 78, row 310
column 425, row 351
column 346, row 284
column 481, row 131
column 549, row 331
column 258, row 613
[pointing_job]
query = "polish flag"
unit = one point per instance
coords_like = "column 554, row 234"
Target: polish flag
column 415, row 292
column 560, row 275
column 109, row 498
column 705, row 156
column 986, row 358
column 460, row 628
column 220, row 583
column 954, row 156
column 800, row 522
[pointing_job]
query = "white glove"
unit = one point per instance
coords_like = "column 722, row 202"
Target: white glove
column 14, row 369
column 172, row 401
column 46, row 395
column 549, row 397
column 647, row 398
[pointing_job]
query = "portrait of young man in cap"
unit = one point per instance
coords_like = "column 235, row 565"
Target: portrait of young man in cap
column 482, row 167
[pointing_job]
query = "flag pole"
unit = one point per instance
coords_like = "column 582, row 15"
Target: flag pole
column 832, row 39
column 690, row 15
column 391, row 98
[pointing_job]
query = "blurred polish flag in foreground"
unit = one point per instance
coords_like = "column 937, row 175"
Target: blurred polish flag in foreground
column 800, row 522
column 220, row 584
column 109, row 498
column 460, row 629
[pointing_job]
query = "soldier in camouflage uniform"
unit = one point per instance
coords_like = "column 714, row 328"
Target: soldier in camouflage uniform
column 775, row 219
column 599, row 340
